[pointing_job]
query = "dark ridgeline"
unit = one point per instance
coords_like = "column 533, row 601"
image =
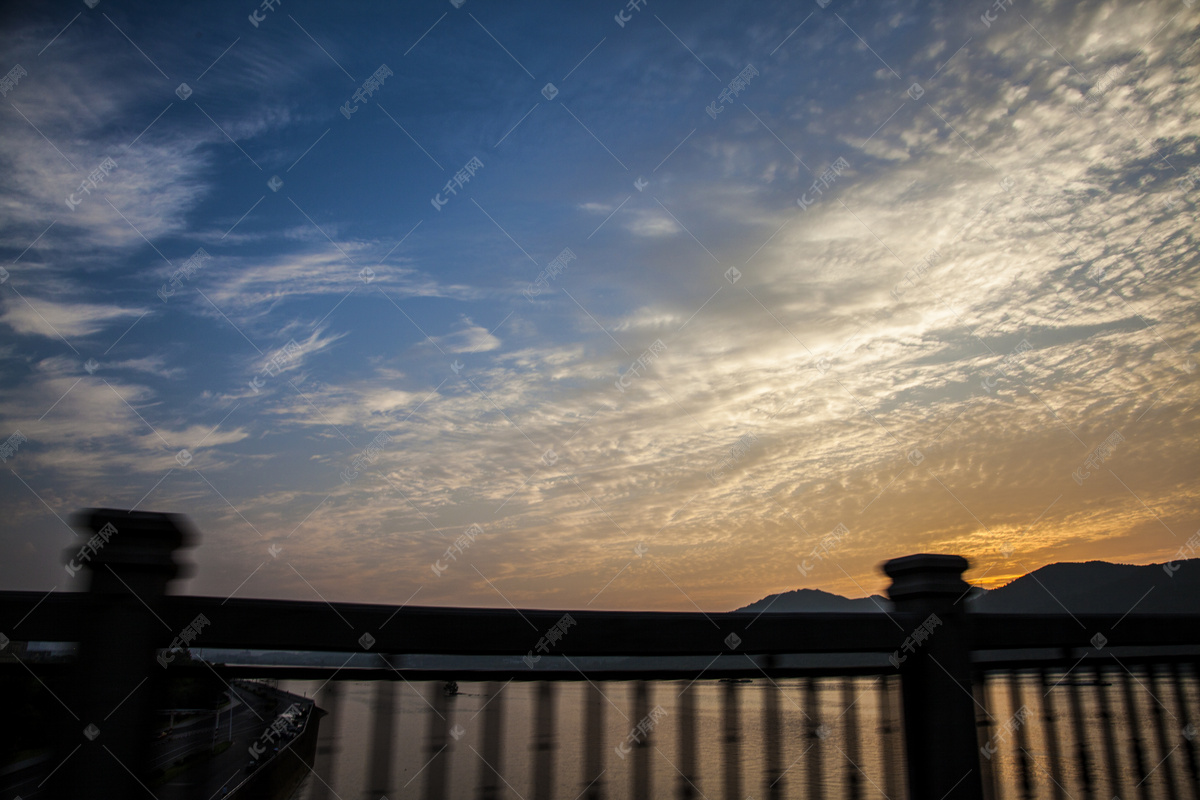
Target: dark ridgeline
column 935, row 665
column 1092, row 587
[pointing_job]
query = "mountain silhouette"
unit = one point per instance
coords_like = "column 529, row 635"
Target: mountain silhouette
column 1091, row 587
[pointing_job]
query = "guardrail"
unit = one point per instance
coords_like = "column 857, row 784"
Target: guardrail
column 948, row 684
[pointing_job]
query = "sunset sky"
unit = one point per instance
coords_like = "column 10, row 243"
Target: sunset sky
column 995, row 274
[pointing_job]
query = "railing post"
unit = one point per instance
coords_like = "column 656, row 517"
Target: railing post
column 130, row 565
column 935, row 677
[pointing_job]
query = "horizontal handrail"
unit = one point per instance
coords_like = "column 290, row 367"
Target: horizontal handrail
column 318, row 626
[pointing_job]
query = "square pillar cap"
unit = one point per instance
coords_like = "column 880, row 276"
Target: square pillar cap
column 926, row 575
column 144, row 541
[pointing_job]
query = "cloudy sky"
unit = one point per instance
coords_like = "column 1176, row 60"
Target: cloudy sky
column 681, row 304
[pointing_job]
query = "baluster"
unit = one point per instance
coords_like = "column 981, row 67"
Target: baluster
column 593, row 737
column 1135, row 730
column 1081, row 749
column 889, row 733
column 853, row 757
column 329, row 699
column 641, row 749
column 816, row 786
column 543, row 770
column 1014, row 687
column 1165, row 767
column 379, row 776
column 1050, row 718
column 687, row 742
column 439, row 744
column 773, row 774
column 732, row 739
column 1111, row 762
column 1186, row 718
column 983, row 734
column 493, row 731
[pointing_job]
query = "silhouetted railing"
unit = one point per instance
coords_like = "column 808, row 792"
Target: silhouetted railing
column 934, row 702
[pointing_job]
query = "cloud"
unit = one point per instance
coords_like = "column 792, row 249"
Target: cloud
column 469, row 338
column 873, row 345
column 42, row 317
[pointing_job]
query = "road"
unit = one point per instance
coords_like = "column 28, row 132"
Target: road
column 252, row 716
column 249, row 712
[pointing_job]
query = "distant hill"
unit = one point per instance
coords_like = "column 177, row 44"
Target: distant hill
column 1097, row 587
column 818, row 600
column 1092, row 587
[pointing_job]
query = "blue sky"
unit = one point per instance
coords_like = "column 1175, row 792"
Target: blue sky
column 994, row 277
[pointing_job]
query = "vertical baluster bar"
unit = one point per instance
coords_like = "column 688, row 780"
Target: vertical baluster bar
column 1135, row 731
column 329, row 699
column 493, row 732
column 439, row 743
column 983, row 735
column 593, row 737
column 773, row 774
column 1112, row 763
column 889, row 733
column 1186, row 718
column 1157, row 708
column 543, row 768
column 816, row 734
column 1018, row 722
column 732, row 735
column 1077, row 726
column 854, row 789
column 1050, row 719
column 641, row 750
column 687, row 742
column 379, row 774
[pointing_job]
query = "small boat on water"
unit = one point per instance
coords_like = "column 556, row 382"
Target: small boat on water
column 450, row 689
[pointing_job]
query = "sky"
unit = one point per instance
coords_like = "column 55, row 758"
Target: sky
column 600, row 305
